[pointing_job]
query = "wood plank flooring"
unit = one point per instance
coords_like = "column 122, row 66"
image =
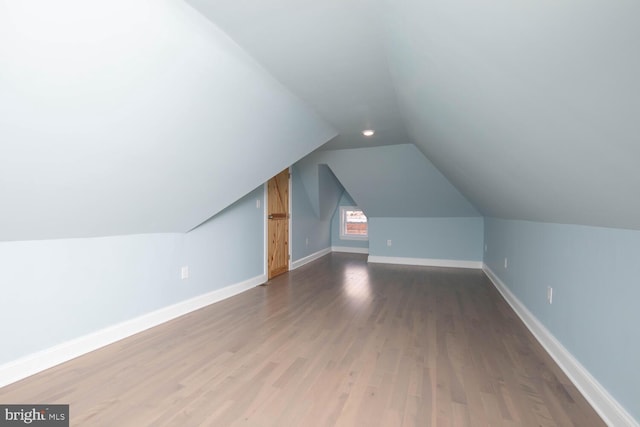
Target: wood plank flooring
column 334, row 343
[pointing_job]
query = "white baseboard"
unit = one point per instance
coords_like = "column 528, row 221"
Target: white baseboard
column 45, row 359
column 427, row 262
column 306, row 260
column 349, row 250
column 605, row 405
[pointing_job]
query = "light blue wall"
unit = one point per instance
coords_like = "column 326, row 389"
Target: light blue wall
column 321, row 186
column 345, row 200
column 305, row 223
column 395, row 181
column 388, row 181
column 436, row 238
column 229, row 248
column 594, row 273
column 330, row 191
column 411, row 202
column 57, row 290
column 307, row 173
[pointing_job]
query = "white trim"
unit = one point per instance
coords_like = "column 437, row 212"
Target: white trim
column 605, row 405
column 354, row 237
column 345, row 236
column 290, row 218
column 45, row 359
column 349, row 250
column 306, row 260
column 266, row 228
column 427, row 262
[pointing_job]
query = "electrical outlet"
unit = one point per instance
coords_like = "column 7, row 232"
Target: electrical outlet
column 184, row 272
column 306, row 241
column 258, row 203
column 485, row 248
column 389, row 242
column 506, row 263
column 549, row 294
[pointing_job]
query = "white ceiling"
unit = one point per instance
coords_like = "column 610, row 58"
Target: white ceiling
column 129, row 117
column 531, row 109
column 330, row 53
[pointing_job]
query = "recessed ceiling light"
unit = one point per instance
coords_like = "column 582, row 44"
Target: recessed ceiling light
column 368, row 132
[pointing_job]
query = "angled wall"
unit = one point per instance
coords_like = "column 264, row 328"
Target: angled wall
column 407, row 201
column 320, row 185
column 310, row 233
column 395, row 181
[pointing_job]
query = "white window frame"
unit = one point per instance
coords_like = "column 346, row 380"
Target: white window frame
column 343, row 235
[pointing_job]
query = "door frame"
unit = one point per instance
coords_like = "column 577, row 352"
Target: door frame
column 265, row 204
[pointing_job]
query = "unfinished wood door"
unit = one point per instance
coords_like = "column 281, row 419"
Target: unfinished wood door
column 278, row 224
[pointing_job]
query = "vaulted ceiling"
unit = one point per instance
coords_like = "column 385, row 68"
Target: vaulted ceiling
column 330, row 53
column 130, row 116
column 529, row 108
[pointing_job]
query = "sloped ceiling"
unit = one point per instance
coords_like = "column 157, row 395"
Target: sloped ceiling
column 328, row 52
column 529, row 108
column 133, row 116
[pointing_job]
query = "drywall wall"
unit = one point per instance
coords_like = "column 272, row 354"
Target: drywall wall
column 330, row 190
column 322, row 187
column 229, row 248
column 309, row 232
column 405, row 198
column 392, row 181
column 58, row 290
column 129, row 117
column 594, row 274
column 457, row 239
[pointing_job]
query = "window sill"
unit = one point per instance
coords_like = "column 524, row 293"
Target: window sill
column 362, row 238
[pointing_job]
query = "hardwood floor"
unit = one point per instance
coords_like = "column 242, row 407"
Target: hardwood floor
column 336, row 342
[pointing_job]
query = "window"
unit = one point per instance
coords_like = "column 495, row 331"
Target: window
column 353, row 223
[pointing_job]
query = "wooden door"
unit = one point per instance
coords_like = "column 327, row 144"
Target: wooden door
column 278, row 224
